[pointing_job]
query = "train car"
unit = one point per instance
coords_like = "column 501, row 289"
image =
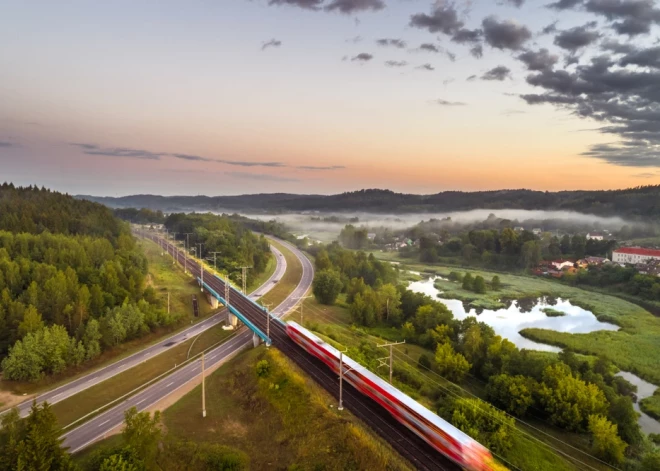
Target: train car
column 440, row 434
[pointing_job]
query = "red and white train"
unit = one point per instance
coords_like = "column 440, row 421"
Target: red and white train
column 440, row 434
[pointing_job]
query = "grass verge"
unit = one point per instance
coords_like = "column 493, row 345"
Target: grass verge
column 289, row 280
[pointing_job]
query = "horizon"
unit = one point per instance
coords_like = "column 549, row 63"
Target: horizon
column 324, row 96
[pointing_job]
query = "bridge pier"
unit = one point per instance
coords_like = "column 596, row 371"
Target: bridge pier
column 255, row 340
column 212, row 300
column 232, row 319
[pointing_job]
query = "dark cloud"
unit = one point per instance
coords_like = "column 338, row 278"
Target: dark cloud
column 497, row 73
column 362, row 57
column 630, row 17
column 538, row 60
column 442, row 102
column 644, row 58
column 516, row 3
column 443, row 19
column 446, row 82
column 451, row 55
column 577, row 38
column 429, row 47
column 307, row 4
column 93, row 149
column 352, row 6
column 623, row 99
column 564, row 4
column 551, row 28
column 320, row 168
column 261, row 177
column 193, row 158
column 398, row 43
column 428, row 67
column 505, row 34
column 471, row 78
column 477, row 51
column 238, row 163
column 464, row 35
column 6, row 144
column 396, row 63
column 271, row 43
column 617, row 48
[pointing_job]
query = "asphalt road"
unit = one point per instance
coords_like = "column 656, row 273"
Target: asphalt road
column 74, row 387
column 96, row 428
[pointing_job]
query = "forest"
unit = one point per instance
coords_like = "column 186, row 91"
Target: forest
column 572, row 393
column 72, row 283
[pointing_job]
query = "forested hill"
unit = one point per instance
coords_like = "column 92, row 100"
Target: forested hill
column 633, row 202
column 34, row 210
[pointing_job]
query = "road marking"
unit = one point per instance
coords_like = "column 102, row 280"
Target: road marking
column 56, row 395
column 138, row 403
column 103, row 423
column 170, row 384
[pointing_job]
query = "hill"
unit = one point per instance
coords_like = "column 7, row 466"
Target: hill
column 637, row 203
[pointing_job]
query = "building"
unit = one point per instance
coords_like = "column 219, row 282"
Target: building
column 597, row 261
column 537, row 231
column 595, row 236
column 634, row 255
column 561, row 264
column 518, row 228
column 371, row 235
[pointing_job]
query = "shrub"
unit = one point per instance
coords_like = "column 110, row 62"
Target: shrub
column 263, row 368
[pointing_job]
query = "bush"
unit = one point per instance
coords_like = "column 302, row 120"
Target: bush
column 263, row 368
column 483, row 422
column 424, row 361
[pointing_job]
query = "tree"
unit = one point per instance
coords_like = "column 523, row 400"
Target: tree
column 531, row 254
column 565, row 244
column 117, row 462
column 606, row 444
column 578, row 245
column 390, row 299
column 468, row 282
column 142, row 434
column 515, row 394
column 625, row 417
column 489, row 426
column 327, row 286
column 479, row 285
column 495, row 283
column 450, row 364
column 31, row 322
column 322, row 261
column 651, row 461
column 91, row 339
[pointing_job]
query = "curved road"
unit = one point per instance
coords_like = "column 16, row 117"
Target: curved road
column 74, row 387
column 96, row 428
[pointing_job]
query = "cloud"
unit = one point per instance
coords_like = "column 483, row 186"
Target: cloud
column 644, row 58
column 630, row 17
column 6, row 144
column 428, row 67
column 451, row 55
column 505, row 34
column 193, row 158
column 577, row 38
column 551, row 28
column 429, row 47
column 307, row 4
column 516, row 3
column 443, row 19
column 564, row 4
column 362, row 57
column 643, row 155
column 352, row 6
column 314, row 167
column 127, row 152
column 271, row 43
column 463, row 36
column 499, row 73
column 354, row 40
column 261, row 177
column 398, row 43
column 617, row 48
column 538, row 60
column 477, row 51
column 238, row 163
column 471, row 78
column 442, row 102
column 645, row 175
column 396, row 63
column 446, row 82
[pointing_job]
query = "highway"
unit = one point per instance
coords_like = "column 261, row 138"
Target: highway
column 96, row 428
column 87, row 381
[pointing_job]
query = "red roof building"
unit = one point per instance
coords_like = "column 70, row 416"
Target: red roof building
column 634, row 255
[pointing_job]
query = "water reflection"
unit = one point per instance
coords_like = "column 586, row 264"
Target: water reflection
column 644, row 389
column 522, row 314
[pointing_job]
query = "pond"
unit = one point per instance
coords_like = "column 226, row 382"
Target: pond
column 508, row 322
column 644, row 389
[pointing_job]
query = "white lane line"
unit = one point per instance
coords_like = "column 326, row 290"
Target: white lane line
column 56, row 395
column 170, row 384
column 138, row 403
column 103, row 423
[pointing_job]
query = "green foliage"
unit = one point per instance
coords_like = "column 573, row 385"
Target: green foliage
column 489, row 426
column 651, row 461
column 326, row 286
column 450, row 364
column 479, row 285
column 514, row 394
column 495, row 283
column 117, row 462
column 568, row 400
column 606, row 444
column 353, row 238
column 263, row 368
column 142, row 433
column 140, row 216
column 651, row 405
column 468, row 282
column 655, row 438
column 424, row 361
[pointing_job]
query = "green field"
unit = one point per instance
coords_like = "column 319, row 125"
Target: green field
column 263, row 277
column 289, row 280
column 634, row 347
column 651, row 405
column 281, row 421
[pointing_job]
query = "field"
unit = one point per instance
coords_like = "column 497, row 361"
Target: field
column 528, row 452
column 164, row 277
column 288, row 282
column 634, row 347
column 651, row 405
column 281, row 421
column 261, row 279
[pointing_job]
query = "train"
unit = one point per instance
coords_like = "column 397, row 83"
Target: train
column 440, row 434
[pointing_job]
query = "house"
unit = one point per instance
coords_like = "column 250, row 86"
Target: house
column 582, row 263
column 596, row 261
column 518, row 228
column 570, row 270
column 595, row 236
column 561, row 264
column 634, row 255
column 371, row 235
column 537, row 231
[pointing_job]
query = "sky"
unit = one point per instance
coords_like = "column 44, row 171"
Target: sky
column 325, row 96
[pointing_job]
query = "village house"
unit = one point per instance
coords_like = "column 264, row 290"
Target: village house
column 561, row 264
column 634, row 255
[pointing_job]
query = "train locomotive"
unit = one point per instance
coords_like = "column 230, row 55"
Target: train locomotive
column 440, row 434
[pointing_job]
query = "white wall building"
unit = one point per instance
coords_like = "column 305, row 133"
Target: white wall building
column 634, row 255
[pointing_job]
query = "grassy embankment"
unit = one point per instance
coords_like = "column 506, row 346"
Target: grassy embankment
column 553, row 312
column 289, row 280
column 164, row 277
column 634, row 347
column 651, row 405
column 526, row 453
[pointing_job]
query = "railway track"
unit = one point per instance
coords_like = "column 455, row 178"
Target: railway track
column 404, row 441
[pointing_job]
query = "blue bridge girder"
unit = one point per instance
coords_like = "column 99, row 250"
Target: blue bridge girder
column 235, row 312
